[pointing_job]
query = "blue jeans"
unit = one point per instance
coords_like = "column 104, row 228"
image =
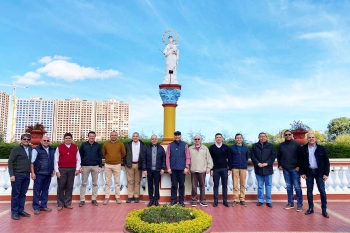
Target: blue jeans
column 311, row 176
column 19, row 191
column 41, row 191
column 267, row 181
column 292, row 178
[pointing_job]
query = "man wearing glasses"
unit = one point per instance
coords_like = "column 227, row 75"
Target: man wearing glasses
column 287, row 158
column 19, row 169
column 42, row 169
column 201, row 163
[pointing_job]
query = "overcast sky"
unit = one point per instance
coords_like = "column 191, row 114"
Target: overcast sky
column 245, row 66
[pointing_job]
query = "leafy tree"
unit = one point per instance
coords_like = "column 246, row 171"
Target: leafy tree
column 338, row 126
column 2, row 136
column 343, row 139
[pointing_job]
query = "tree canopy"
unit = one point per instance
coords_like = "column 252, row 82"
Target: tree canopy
column 338, row 126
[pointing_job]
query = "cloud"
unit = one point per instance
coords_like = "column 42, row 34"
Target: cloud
column 29, row 78
column 60, row 68
column 330, row 35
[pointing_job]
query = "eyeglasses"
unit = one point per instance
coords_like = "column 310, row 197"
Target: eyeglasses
column 46, row 140
column 26, row 139
column 196, row 139
column 287, row 134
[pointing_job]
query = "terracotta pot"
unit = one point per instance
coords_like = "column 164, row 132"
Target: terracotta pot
column 36, row 135
column 299, row 135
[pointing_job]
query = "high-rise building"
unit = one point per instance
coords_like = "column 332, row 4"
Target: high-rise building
column 111, row 116
column 32, row 111
column 4, row 114
column 74, row 116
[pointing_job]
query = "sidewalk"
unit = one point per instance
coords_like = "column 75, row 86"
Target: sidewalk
column 111, row 218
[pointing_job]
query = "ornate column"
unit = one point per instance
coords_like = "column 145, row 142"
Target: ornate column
column 170, row 94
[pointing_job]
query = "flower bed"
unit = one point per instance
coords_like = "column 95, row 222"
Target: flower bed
column 198, row 221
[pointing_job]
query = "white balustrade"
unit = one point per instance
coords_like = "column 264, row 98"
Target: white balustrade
column 282, row 182
column 336, row 179
column 2, row 179
column 274, row 180
column 344, row 180
column 329, row 182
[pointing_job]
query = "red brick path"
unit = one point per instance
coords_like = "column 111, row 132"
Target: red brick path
column 111, row 218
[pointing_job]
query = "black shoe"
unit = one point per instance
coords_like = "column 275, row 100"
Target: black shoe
column 156, row 203
column 325, row 214
column 173, row 203
column 94, row 202
column 81, row 203
column 215, row 204
column 182, row 204
column 150, row 204
column 259, row 204
column 137, row 200
column 269, row 205
column 15, row 216
column 226, row 204
column 129, row 200
column 309, row 211
column 24, row 214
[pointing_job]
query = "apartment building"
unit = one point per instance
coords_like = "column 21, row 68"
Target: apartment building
column 4, row 113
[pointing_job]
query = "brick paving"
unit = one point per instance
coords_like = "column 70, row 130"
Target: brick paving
column 111, row 218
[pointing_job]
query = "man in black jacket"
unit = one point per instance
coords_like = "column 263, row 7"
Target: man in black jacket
column 153, row 166
column 263, row 156
column 287, row 158
column 133, row 166
column 19, row 169
column 42, row 169
column 314, row 165
column 91, row 162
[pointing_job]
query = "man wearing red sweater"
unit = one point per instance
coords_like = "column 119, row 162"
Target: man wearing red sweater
column 67, row 165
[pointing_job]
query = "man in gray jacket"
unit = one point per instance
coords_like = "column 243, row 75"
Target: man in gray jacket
column 287, row 158
column 201, row 163
column 19, row 170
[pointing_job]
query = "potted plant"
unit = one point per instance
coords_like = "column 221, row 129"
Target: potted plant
column 37, row 132
column 299, row 129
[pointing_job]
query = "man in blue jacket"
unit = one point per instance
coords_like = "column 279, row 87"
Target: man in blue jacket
column 42, row 169
column 239, row 153
column 91, row 162
column 153, row 166
column 263, row 156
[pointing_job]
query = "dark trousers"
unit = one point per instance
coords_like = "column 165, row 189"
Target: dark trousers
column 41, row 191
column 177, row 178
column 65, row 187
column 311, row 176
column 198, row 178
column 18, row 193
column 217, row 174
column 153, row 180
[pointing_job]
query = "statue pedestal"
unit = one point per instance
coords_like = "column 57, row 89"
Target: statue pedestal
column 170, row 94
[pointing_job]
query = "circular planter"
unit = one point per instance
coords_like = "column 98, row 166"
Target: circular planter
column 36, row 135
column 299, row 135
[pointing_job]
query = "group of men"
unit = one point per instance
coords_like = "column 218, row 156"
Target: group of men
column 309, row 161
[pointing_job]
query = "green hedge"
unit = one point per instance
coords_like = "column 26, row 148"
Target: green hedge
column 333, row 150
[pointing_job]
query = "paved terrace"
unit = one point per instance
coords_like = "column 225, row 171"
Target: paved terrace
column 111, row 218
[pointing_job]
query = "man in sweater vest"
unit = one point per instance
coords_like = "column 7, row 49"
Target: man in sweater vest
column 201, row 164
column 91, row 163
column 287, row 158
column 177, row 162
column 113, row 152
column 67, row 166
column 19, row 169
column 221, row 156
column 42, row 169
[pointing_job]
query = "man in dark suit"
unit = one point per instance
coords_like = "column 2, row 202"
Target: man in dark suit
column 153, row 166
column 314, row 165
column 19, row 170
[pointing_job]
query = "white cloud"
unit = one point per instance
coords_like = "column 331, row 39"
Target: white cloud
column 332, row 35
column 45, row 59
column 29, row 78
column 60, row 68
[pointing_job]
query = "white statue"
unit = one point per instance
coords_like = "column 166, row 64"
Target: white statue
column 171, row 53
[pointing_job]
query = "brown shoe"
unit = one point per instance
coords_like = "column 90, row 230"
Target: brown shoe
column 59, row 208
column 69, row 207
column 46, row 209
column 36, row 212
